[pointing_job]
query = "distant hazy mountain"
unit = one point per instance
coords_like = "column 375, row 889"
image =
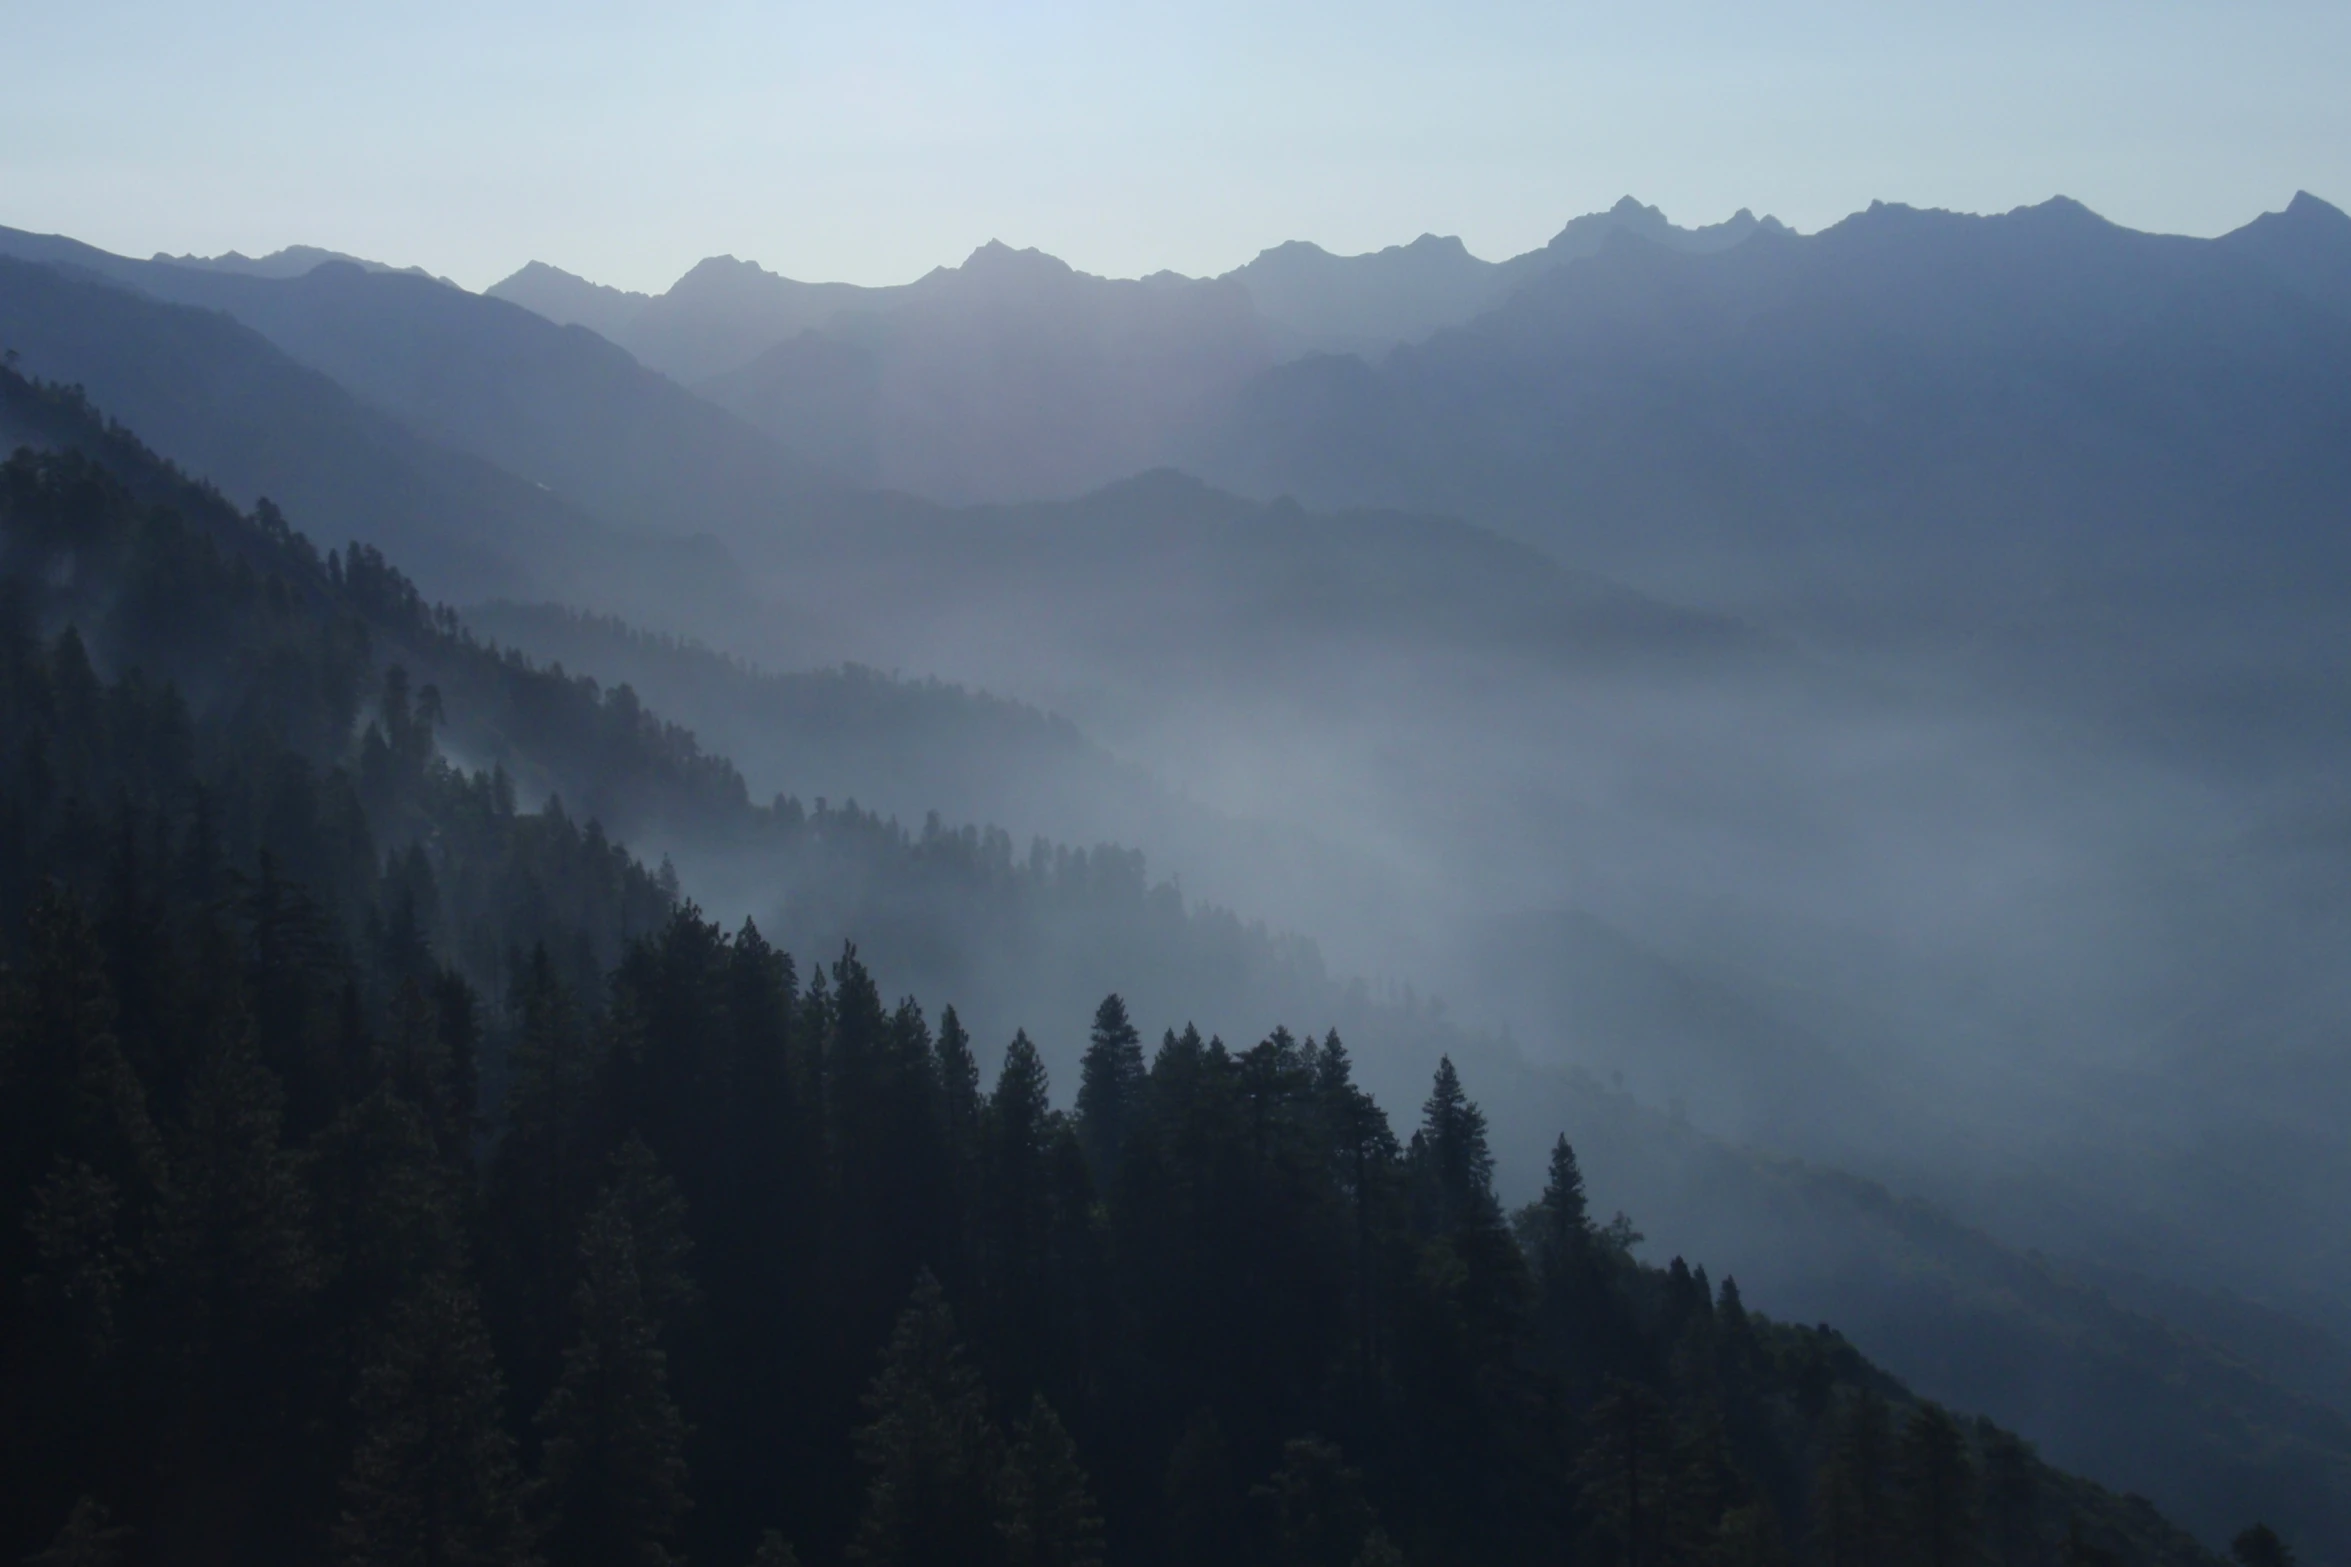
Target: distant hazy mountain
column 725, row 313
column 558, row 407
column 1011, row 377
column 293, row 261
column 1366, row 305
column 570, row 300
column 2023, row 403
column 218, row 399
column 1161, row 584
column 718, row 317
column 1015, row 377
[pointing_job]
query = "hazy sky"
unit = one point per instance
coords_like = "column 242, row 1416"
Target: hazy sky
column 870, row 141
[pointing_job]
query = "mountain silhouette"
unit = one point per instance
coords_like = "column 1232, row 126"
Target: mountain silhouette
column 1365, row 305
column 2011, row 404
column 1015, row 377
column 1011, row 377
column 557, row 407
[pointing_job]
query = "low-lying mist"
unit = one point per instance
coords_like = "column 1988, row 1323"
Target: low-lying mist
column 1960, row 911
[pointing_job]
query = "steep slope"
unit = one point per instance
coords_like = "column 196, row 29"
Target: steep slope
column 214, row 396
column 898, row 746
column 555, row 406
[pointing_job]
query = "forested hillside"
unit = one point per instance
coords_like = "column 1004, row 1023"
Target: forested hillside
column 398, row 1168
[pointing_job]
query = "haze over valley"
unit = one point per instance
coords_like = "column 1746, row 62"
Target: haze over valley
column 1846, row 727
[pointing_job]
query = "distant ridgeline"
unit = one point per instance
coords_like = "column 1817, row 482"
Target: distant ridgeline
column 394, row 1173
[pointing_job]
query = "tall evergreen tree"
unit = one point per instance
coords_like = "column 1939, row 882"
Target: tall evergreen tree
column 1936, row 1485
column 1853, row 1499
column 1049, row 1517
column 1200, row 1497
column 934, row 1460
column 1109, row 1084
column 612, row 1484
column 1319, row 1514
column 2011, row 1500
column 1624, row 1474
column 433, row 1482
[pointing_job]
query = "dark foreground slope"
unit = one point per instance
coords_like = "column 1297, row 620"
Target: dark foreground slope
column 398, row 1172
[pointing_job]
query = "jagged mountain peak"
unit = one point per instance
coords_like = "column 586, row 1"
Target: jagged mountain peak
column 291, row 261
column 997, row 259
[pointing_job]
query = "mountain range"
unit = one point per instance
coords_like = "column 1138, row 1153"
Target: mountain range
column 1861, row 697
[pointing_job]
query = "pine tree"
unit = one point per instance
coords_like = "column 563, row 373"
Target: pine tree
column 1624, row 1473
column 2012, row 1497
column 959, row 1084
column 1453, row 1165
column 1016, row 1220
column 1853, row 1503
column 1202, row 1500
column 1453, row 1174
column 1049, row 1517
column 1319, row 1512
column 1936, row 1487
column 642, row 1194
column 612, row 1482
column 1567, row 1218
column 71, row 1096
column 432, row 1482
column 1110, row 1083
column 934, row 1461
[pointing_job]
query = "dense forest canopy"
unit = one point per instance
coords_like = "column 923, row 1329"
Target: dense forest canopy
column 398, row 1168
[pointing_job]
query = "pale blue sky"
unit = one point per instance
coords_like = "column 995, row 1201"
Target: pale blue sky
column 872, row 140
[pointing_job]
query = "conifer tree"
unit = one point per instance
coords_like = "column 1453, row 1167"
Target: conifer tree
column 959, row 1084
column 71, row 1095
column 1936, row 1481
column 432, row 1482
column 1320, row 1516
column 1453, row 1174
column 1853, row 1502
column 612, row 1482
column 1567, row 1216
column 1201, row 1499
column 2011, row 1499
column 1453, row 1166
column 933, row 1459
column 1049, row 1517
column 1110, row 1082
column 1624, row 1473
